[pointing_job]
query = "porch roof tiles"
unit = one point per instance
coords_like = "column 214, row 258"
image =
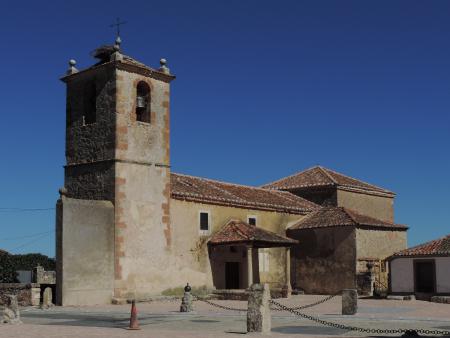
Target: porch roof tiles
column 239, row 232
column 339, row 216
column 438, row 247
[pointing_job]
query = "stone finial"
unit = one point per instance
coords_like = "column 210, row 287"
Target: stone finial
column 118, row 42
column 186, row 301
column 187, row 288
column 72, row 69
column 62, row 192
column 117, row 55
column 163, row 68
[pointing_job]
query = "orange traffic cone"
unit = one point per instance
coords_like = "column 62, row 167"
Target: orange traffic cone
column 134, row 324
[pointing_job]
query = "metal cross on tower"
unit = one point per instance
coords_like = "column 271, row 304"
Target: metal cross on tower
column 118, row 24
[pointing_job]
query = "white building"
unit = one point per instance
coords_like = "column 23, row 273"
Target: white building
column 423, row 270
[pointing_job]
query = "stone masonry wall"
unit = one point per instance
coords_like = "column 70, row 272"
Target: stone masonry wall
column 325, row 260
column 27, row 294
column 142, row 194
column 84, row 252
column 378, row 244
column 87, row 144
column 190, row 251
column 91, row 142
column 378, row 207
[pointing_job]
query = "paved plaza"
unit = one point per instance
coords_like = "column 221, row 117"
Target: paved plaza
column 163, row 319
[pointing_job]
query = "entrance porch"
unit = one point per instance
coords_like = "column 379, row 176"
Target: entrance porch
column 233, row 254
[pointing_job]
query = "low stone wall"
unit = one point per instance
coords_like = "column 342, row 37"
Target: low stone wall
column 27, row 294
column 242, row 294
column 231, row 294
column 441, row 299
column 41, row 276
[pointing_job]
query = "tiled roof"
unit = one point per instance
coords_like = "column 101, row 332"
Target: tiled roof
column 339, row 216
column 239, row 232
column 127, row 63
column 437, row 247
column 202, row 190
column 103, row 53
column 322, row 177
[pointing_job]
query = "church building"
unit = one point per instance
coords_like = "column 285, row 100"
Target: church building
column 129, row 227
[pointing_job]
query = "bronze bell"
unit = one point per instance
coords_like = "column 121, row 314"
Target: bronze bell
column 141, row 102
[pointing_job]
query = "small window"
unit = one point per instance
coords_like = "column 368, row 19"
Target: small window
column 251, row 220
column 204, row 222
column 90, row 103
column 263, row 259
column 143, row 102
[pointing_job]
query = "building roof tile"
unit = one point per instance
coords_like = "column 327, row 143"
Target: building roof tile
column 339, row 216
column 239, row 232
column 318, row 176
column 438, row 247
column 202, row 190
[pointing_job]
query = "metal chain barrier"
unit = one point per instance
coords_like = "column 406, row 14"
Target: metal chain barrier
column 355, row 328
column 196, row 298
column 295, row 311
column 311, row 305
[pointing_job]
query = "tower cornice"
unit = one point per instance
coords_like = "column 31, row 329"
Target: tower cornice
column 125, row 66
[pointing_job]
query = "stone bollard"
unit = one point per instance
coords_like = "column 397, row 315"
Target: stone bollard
column 258, row 312
column 11, row 314
column 47, row 301
column 186, row 302
column 349, row 301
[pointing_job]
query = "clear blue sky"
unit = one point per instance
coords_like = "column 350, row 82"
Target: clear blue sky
column 263, row 89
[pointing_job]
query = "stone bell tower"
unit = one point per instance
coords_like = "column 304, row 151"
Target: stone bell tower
column 113, row 219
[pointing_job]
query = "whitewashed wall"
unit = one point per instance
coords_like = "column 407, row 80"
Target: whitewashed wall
column 402, row 274
column 443, row 274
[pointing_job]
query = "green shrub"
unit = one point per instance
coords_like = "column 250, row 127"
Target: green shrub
column 30, row 261
column 8, row 272
column 10, row 264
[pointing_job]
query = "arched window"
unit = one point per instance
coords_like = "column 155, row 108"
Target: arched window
column 143, row 102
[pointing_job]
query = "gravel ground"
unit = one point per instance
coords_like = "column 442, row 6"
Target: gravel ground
column 162, row 319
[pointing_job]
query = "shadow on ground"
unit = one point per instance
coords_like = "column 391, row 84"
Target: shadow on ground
column 311, row 330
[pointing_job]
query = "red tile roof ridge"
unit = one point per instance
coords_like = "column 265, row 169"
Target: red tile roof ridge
column 233, row 223
column 228, row 183
column 351, row 214
column 416, row 250
column 286, row 194
column 324, row 170
column 329, row 180
column 376, row 188
column 237, row 231
column 316, row 219
column 289, row 176
column 242, row 202
column 299, row 204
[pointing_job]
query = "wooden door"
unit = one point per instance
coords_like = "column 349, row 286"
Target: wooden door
column 232, row 275
column 425, row 276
